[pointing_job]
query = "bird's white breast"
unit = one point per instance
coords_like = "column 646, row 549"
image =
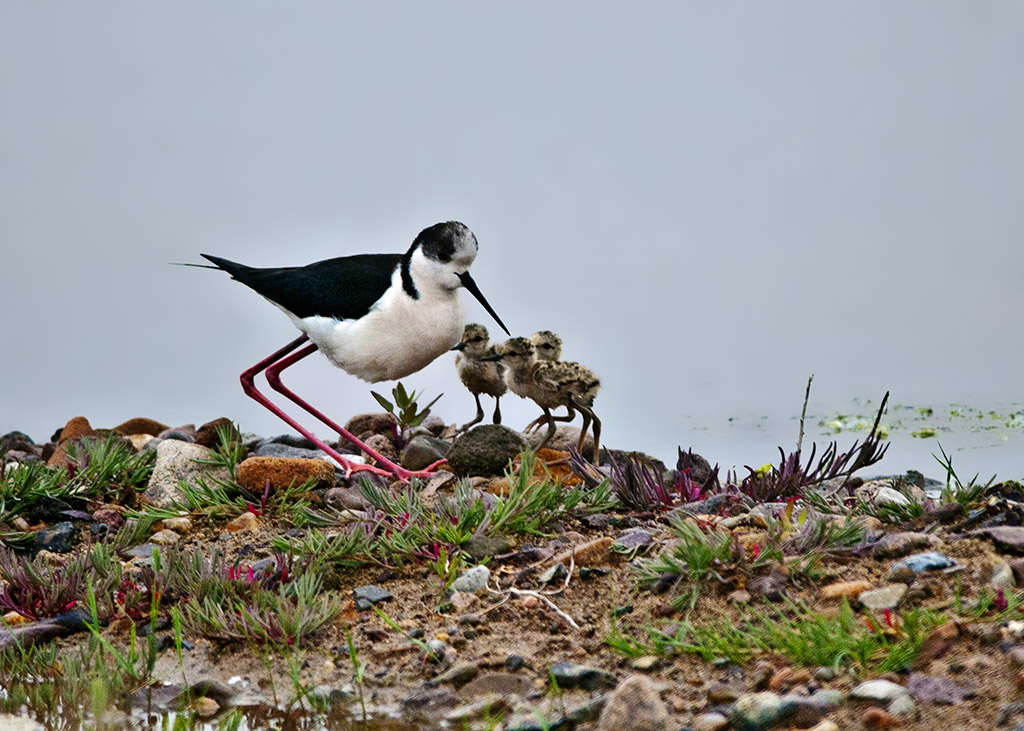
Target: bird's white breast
column 399, row 336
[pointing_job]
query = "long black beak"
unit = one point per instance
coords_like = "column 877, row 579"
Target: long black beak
column 496, row 356
column 469, row 284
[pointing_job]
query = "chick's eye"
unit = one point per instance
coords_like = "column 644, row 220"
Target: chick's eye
column 444, row 257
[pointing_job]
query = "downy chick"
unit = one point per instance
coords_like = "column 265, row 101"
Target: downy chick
column 551, row 384
column 547, row 344
column 480, row 377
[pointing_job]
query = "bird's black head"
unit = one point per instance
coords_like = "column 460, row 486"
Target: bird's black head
column 446, row 242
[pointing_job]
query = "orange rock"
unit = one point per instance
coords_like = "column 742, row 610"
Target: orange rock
column 77, row 428
column 552, row 464
column 12, row 618
column 140, row 425
column 877, row 718
column 244, row 522
column 283, row 472
column 140, row 440
column 845, row 590
column 207, row 433
column 788, row 677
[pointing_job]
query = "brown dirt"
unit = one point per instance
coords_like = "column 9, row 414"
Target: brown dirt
column 536, row 633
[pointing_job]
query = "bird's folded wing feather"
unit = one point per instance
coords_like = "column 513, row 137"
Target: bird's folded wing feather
column 344, row 288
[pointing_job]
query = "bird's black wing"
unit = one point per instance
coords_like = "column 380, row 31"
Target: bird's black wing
column 345, row 288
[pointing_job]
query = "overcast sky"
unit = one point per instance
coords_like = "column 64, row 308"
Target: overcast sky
column 708, row 200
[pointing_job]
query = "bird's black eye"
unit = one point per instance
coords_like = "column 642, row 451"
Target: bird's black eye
column 444, row 257
column 547, row 346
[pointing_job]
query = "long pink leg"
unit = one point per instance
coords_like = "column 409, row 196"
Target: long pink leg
column 248, row 379
column 274, row 378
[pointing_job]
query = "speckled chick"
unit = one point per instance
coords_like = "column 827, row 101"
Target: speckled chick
column 551, row 384
column 547, row 344
column 480, row 377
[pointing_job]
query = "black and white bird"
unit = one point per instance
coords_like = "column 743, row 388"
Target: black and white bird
column 379, row 317
column 480, row 377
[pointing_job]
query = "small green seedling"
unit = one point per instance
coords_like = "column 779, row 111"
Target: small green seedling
column 405, row 409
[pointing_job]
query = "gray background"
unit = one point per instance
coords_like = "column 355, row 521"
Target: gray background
column 708, row 200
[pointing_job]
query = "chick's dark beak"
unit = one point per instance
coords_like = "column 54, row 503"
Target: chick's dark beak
column 470, row 285
column 496, row 356
column 460, row 346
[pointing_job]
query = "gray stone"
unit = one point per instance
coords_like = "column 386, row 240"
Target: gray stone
column 903, row 707
column 434, row 425
column 164, row 538
column 886, row 597
column 1001, row 576
column 286, row 451
column 806, row 711
column 59, row 538
column 480, row 547
column 824, row 674
column 1006, row 538
column 1016, row 654
column 485, row 706
column 438, row 652
column 921, row 562
column 709, row 722
column 899, row 544
column 288, row 440
column 634, row 705
column 367, row 596
column 711, row 505
column 363, row 425
column 772, row 587
column 427, row 698
column 719, row 694
column 346, row 498
column 141, row 551
column 634, row 540
column 598, row 521
column 177, row 461
column 879, row 690
column 472, row 580
column 887, row 496
column 496, row 682
column 185, row 433
column 485, row 450
column 570, row 675
column 459, row 674
column 758, row 711
column 556, row 573
column 210, row 688
column 828, row 699
column 423, row 451
column 382, row 445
